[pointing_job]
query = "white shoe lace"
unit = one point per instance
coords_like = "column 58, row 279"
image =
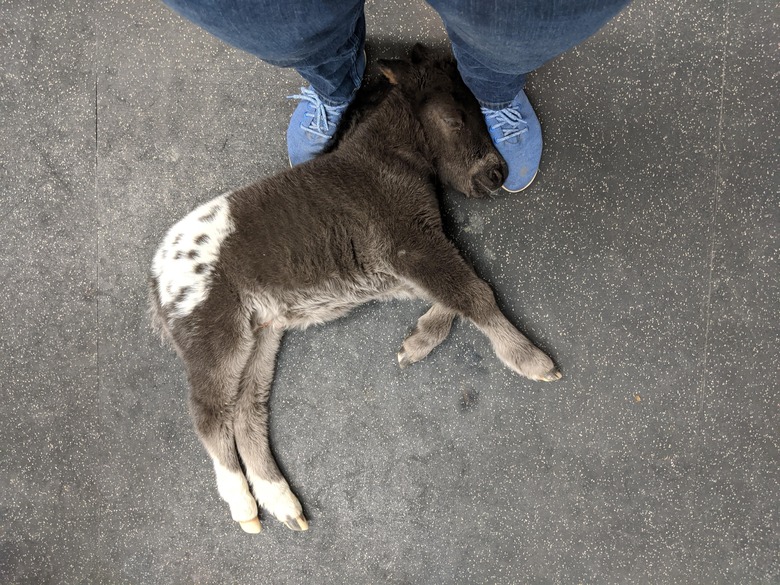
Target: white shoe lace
column 508, row 120
column 322, row 115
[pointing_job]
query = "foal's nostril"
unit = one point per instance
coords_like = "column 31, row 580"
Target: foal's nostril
column 489, row 174
column 496, row 178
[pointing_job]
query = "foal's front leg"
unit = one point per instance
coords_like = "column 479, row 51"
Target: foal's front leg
column 431, row 329
column 430, row 263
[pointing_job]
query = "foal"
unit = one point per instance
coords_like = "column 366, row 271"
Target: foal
column 360, row 222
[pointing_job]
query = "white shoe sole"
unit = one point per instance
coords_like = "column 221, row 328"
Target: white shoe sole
column 522, row 188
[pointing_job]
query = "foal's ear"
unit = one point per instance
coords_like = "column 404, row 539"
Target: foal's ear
column 395, row 70
column 420, row 53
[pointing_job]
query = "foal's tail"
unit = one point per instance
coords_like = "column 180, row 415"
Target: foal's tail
column 157, row 317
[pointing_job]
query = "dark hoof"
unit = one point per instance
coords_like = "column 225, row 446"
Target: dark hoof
column 298, row 524
column 551, row 376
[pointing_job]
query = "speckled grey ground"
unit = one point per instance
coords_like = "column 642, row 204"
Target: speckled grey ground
column 644, row 258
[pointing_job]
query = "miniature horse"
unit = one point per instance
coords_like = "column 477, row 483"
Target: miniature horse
column 358, row 223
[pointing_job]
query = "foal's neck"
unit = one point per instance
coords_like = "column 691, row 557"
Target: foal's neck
column 391, row 129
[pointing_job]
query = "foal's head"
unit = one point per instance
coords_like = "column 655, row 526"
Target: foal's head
column 455, row 132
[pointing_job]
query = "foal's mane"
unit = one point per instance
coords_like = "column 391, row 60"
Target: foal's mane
column 367, row 99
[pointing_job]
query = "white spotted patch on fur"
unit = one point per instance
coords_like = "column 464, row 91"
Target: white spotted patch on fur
column 185, row 260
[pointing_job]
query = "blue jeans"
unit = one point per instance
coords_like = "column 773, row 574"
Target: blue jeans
column 496, row 43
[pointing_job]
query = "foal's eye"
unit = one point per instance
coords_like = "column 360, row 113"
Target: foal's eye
column 453, row 122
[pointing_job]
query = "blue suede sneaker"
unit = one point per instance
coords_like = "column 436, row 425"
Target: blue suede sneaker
column 313, row 123
column 517, row 134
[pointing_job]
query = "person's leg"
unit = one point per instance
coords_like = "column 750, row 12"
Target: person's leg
column 497, row 43
column 321, row 39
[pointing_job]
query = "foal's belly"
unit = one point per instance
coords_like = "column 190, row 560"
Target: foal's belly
column 300, row 309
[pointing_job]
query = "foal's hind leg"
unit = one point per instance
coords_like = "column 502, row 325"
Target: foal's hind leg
column 214, row 366
column 251, row 428
column 217, row 436
column 431, row 329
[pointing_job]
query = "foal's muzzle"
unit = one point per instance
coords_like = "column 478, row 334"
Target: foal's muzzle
column 488, row 175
